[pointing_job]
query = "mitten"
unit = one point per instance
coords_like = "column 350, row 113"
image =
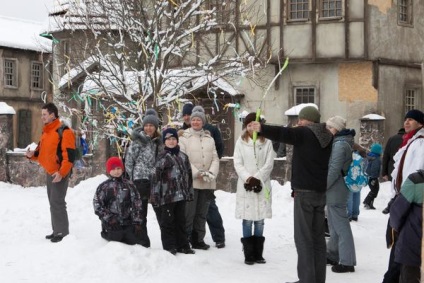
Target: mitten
column 113, row 224
column 253, row 182
column 208, row 177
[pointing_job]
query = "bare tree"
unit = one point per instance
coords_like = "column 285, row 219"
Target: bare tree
column 127, row 55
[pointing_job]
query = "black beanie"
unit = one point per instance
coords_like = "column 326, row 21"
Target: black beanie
column 415, row 114
column 169, row 132
column 248, row 119
column 187, row 108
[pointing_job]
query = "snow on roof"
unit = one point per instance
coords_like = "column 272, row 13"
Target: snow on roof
column 23, row 34
column 373, row 117
column 6, row 109
column 294, row 111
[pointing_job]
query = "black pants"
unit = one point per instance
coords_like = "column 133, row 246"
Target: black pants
column 374, row 188
column 409, row 274
column 215, row 223
column 143, row 188
column 171, row 218
column 124, row 235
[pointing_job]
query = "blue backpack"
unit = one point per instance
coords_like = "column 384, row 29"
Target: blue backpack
column 356, row 178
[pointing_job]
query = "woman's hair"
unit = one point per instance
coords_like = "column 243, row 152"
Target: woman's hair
column 245, row 136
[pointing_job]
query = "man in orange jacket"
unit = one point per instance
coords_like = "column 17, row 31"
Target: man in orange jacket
column 56, row 155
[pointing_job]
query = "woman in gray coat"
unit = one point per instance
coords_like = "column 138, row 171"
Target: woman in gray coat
column 340, row 247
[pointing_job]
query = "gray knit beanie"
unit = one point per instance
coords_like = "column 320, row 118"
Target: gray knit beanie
column 310, row 113
column 337, row 122
column 198, row 111
column 151, row 117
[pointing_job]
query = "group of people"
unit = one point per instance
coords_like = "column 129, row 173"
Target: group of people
column 176, row 172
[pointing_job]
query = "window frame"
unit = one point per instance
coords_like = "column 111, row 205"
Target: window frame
column 415, row 89
column 14, row 73
column 329, row 18
column 289, row 12
column 406, row 5
column 308, row 86
column 40, row 79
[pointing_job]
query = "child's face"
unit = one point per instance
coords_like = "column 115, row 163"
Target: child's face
column 171, row 142
column 116, row 172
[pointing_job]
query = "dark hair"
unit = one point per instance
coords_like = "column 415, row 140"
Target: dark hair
column 51, row 108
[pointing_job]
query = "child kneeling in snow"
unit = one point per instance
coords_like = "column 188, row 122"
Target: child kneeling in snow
column 118, row 205
column 172, row 186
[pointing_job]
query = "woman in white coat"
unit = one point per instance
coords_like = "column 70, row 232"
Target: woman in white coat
column 253, row 164
column 199, row 145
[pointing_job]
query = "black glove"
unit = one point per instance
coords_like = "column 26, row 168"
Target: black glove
column 190, row 197
column 113, row 224
column 253, row 184
column 138, row 230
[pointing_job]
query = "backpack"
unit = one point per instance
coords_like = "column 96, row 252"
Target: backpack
column 77, row 162
column 356, row 178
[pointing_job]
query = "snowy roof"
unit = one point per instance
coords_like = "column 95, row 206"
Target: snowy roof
column 6, row 109
column 373, row 117
column 23, row 34
column 294, row 111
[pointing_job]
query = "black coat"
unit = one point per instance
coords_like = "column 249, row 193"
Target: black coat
column 311, row 153
column 390, row 150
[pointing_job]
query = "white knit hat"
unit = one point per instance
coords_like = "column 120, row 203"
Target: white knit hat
column 337, row 122
column 198, row 111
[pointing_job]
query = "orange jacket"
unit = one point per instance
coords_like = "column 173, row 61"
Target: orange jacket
column 47, row 152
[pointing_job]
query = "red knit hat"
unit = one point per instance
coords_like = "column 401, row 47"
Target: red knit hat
column 114, row 162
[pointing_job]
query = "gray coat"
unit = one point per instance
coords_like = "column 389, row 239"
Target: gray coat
column 141, row 155
column 340, row 159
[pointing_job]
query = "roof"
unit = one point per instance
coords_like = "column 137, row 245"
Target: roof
column 23, row 34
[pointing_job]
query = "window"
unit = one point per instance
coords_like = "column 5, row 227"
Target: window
column 331, row 8
column 304, row 95
column 37, row 75
column 405, row 12
column 298, row 9
column 410, row 99
column 10, row 73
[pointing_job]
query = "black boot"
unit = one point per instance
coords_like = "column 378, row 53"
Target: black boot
column 259, row 248
column 144, row 239
column 249, row 250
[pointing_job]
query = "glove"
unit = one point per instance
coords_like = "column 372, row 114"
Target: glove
column 207, row 176
column 138, row 230
column 190, row 197
column 253, row 184
column 155, row 200
column 113, row 224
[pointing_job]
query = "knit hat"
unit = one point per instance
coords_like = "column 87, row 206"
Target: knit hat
column 198, row 111
column 337, row 122
column 114, row 162
column 187, row 109
column 151, row 117
column 310, row 113
column 415, row 114
column 376, row 148
column 248, row 119
column 169, row 132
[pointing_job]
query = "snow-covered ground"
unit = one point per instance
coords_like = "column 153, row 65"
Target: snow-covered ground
column 83, row 256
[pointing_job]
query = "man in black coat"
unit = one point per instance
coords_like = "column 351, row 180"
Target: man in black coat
column 312, row 144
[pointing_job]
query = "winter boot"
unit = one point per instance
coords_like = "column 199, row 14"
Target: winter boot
column 259, row 248
column 367, row 202
column 249, row 250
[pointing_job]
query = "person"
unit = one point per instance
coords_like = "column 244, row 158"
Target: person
column 253, row 163
column 390, row 150
column 312, row 143
column 56, row 156
column 213, row 218
column 199, row 145
column 406, row 218
column 373, row 172
column 340, row 247
column 117, row 203
column 406, row 163
column 140, row 161
column 172, row 186
column 354, row 199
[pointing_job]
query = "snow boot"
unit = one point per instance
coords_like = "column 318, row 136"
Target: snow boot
column 249, row 250
column 259, row 248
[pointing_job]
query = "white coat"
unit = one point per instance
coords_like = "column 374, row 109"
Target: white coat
column 201, row 151
column 414, row 159
column 250, row 205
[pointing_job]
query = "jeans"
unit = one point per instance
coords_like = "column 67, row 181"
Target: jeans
column 309, row 236
column 353, row 204
column 258, row 229
column 214, row 220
